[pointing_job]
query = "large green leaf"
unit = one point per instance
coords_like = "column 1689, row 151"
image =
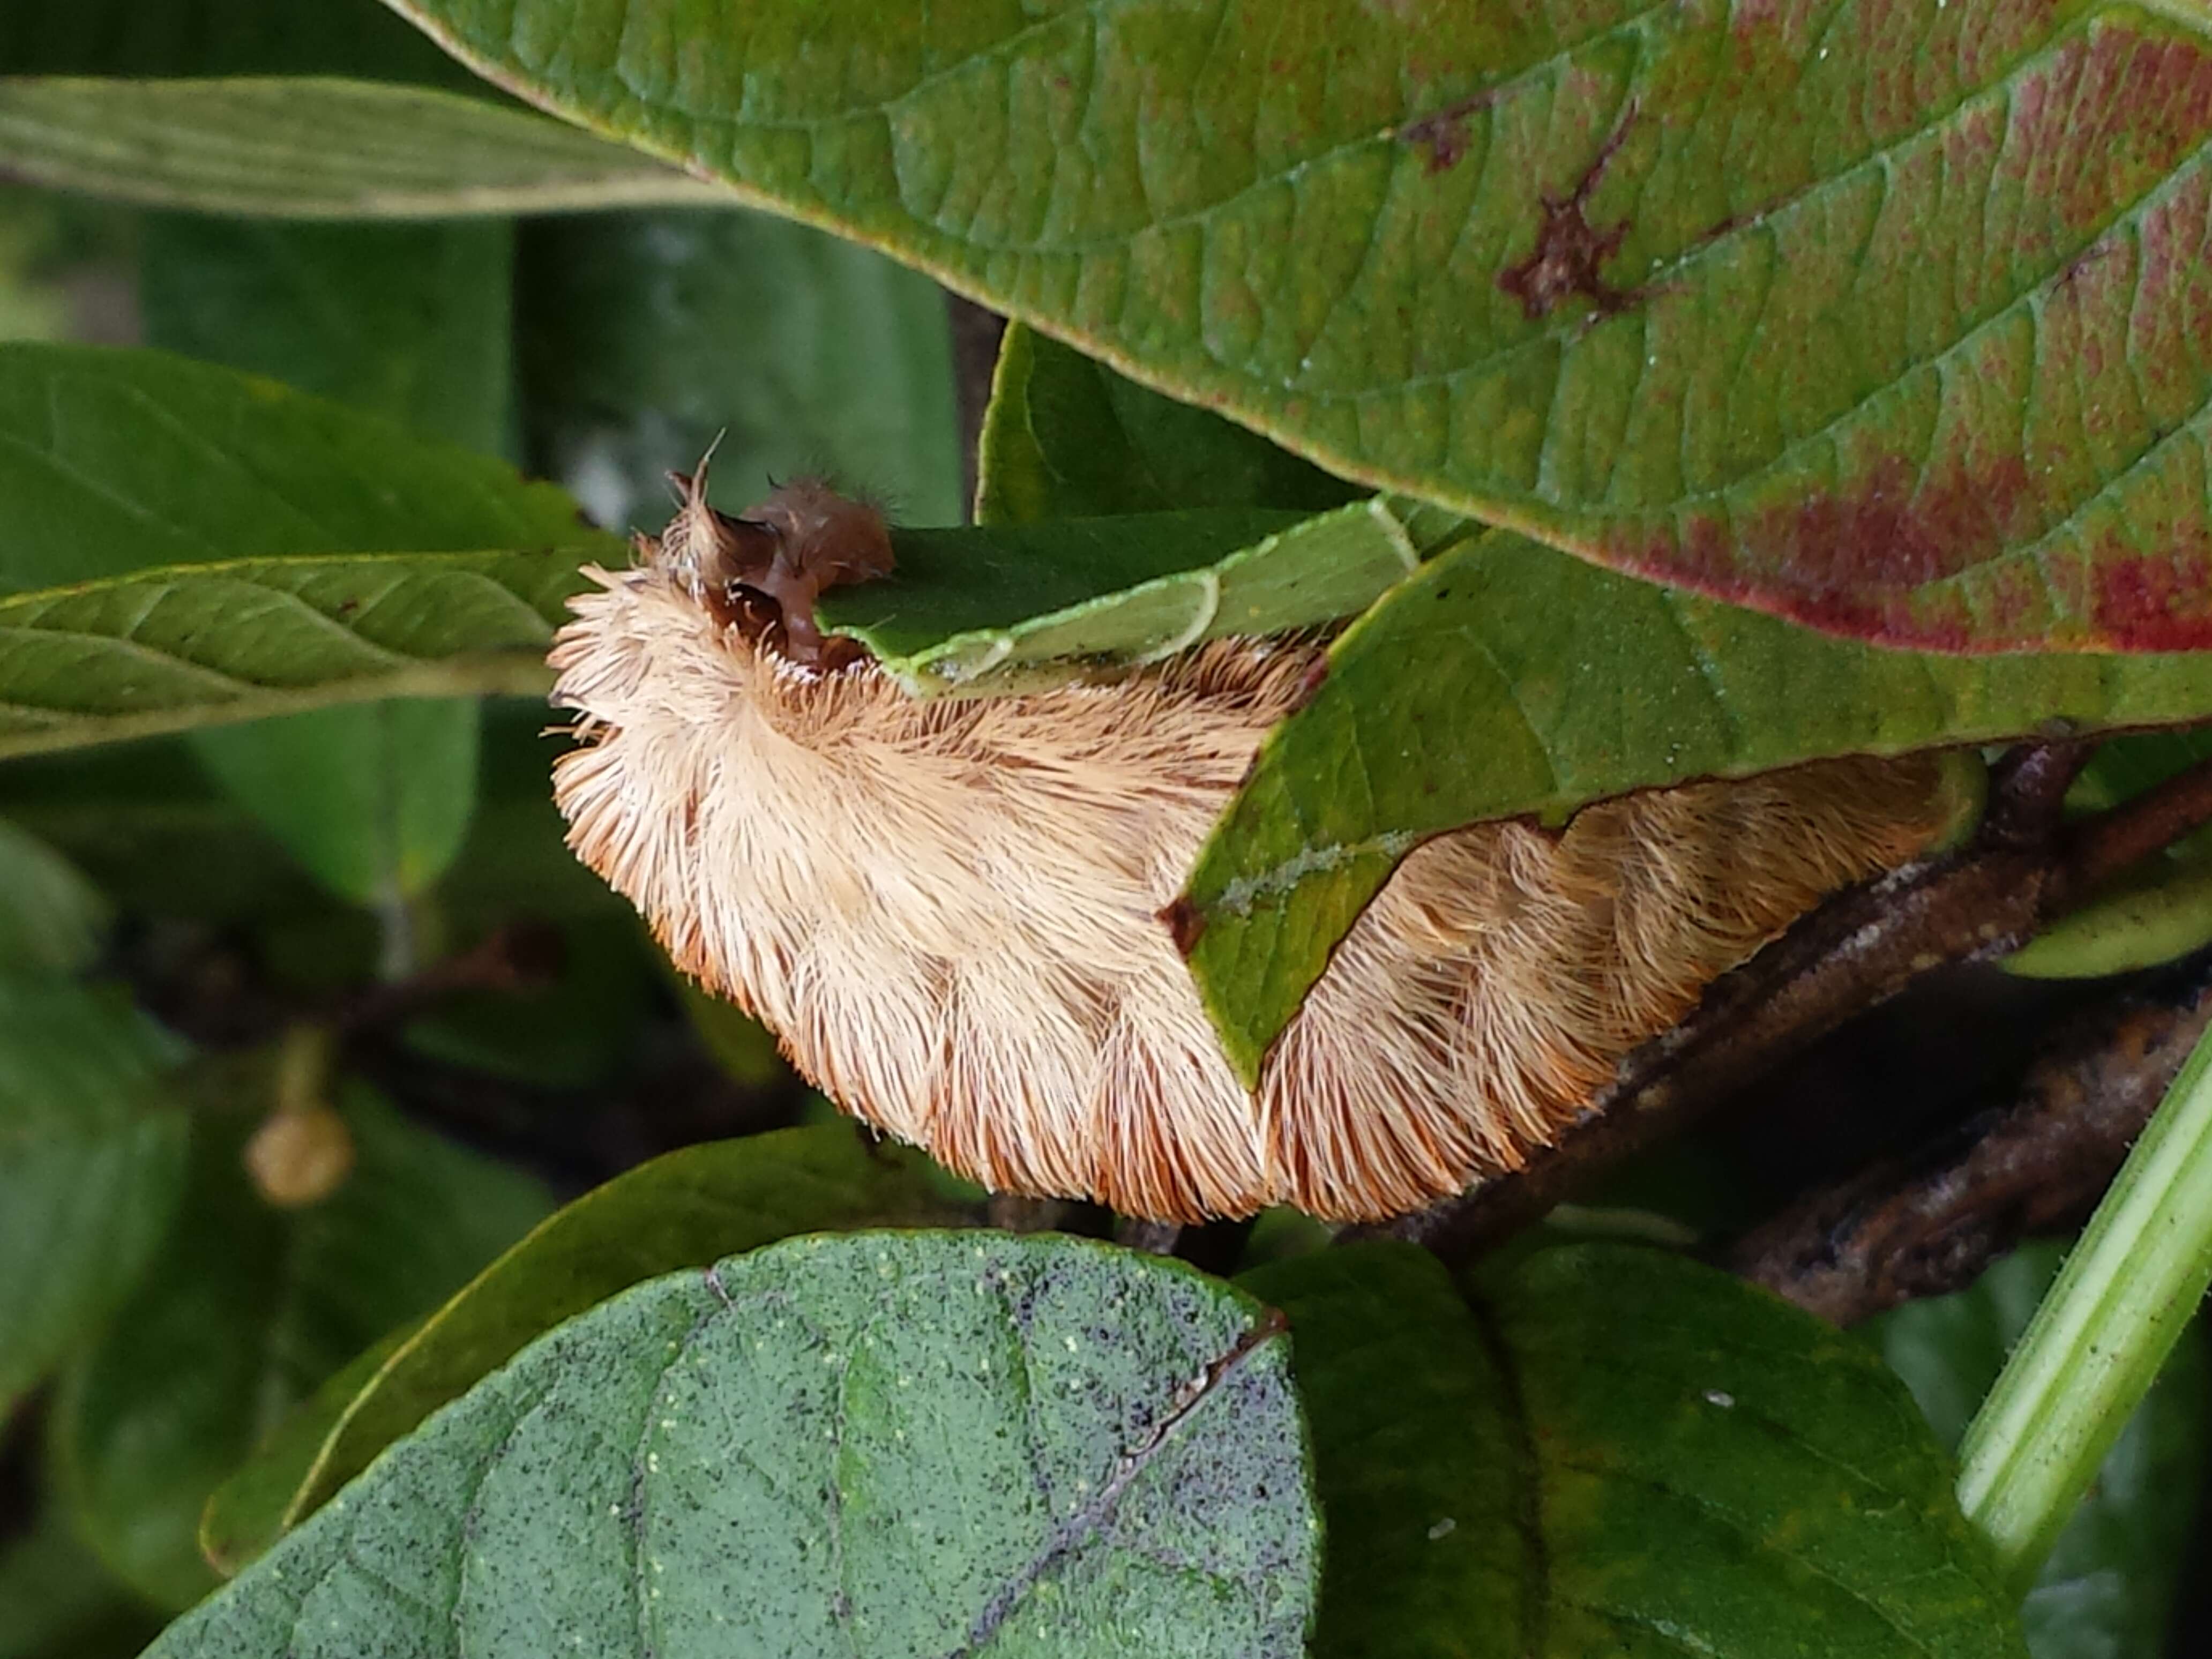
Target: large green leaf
column 1880, row 313
column 1604, row 1449
column 248, row 1310
column 681, row 1210
column 92, row 1159
column 647, row 337
column 920, row 1443
column 316, row 148
column 166, row 650
column 2108, row 1586
column 114, row 461
column 1546, row 683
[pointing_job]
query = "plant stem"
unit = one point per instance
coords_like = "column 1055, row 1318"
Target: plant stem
column 2096, row 1344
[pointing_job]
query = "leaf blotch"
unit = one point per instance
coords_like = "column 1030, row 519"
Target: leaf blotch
column 1853, row 560
column 1444, row 134
column 1570, row 249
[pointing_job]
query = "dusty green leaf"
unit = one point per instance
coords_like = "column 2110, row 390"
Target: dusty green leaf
column 880, row 1443
column 681, row 1210
column 241, row 1516
column 317, row 148
column 646, row 337
column 1065, row 437
column 246, row 1310
column 1546, row 683
column 51, row 919
column 92, row 1159
column 2109, row 1585
column 1878, row 313
column 166, row 650
column 1604, row 1449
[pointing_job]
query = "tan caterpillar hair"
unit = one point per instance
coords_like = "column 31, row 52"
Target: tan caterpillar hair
column 949, row 912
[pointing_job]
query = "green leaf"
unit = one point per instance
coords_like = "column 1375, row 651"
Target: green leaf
column 1878, row 313
column 143, row 822
column 412, row 322
column 167, row 650
column 681, row 1210
column 57, row 1601
column 883, row 1444
column 1421, row 1470
column 51, row 919
column 92, row 1160
column 646, row 337
column 317, row 148
column 116, row 461
column 249, row 1311
column 404, row 321
column 517, row 858
column 1545, row 683
column 242, row 1516
column 375, row 799
column 991, row 607
column 1067, row 438
column 2157, row 911
column 2109, row 1584
column 1604, row 1449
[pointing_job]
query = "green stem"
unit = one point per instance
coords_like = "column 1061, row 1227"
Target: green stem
column 2096, row 1344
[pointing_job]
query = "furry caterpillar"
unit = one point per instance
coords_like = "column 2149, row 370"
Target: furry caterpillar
column 949, row 912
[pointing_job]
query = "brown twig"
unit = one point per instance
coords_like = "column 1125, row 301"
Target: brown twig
column 520, row 957
column 2022, row 871
column 1929, row 1224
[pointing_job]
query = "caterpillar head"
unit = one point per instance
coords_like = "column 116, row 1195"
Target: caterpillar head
column 767, row 566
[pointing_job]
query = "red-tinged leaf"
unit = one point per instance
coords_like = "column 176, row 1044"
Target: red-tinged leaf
column 1890, row 316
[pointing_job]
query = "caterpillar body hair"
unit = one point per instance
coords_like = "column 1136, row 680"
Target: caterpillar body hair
column 949, row 912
